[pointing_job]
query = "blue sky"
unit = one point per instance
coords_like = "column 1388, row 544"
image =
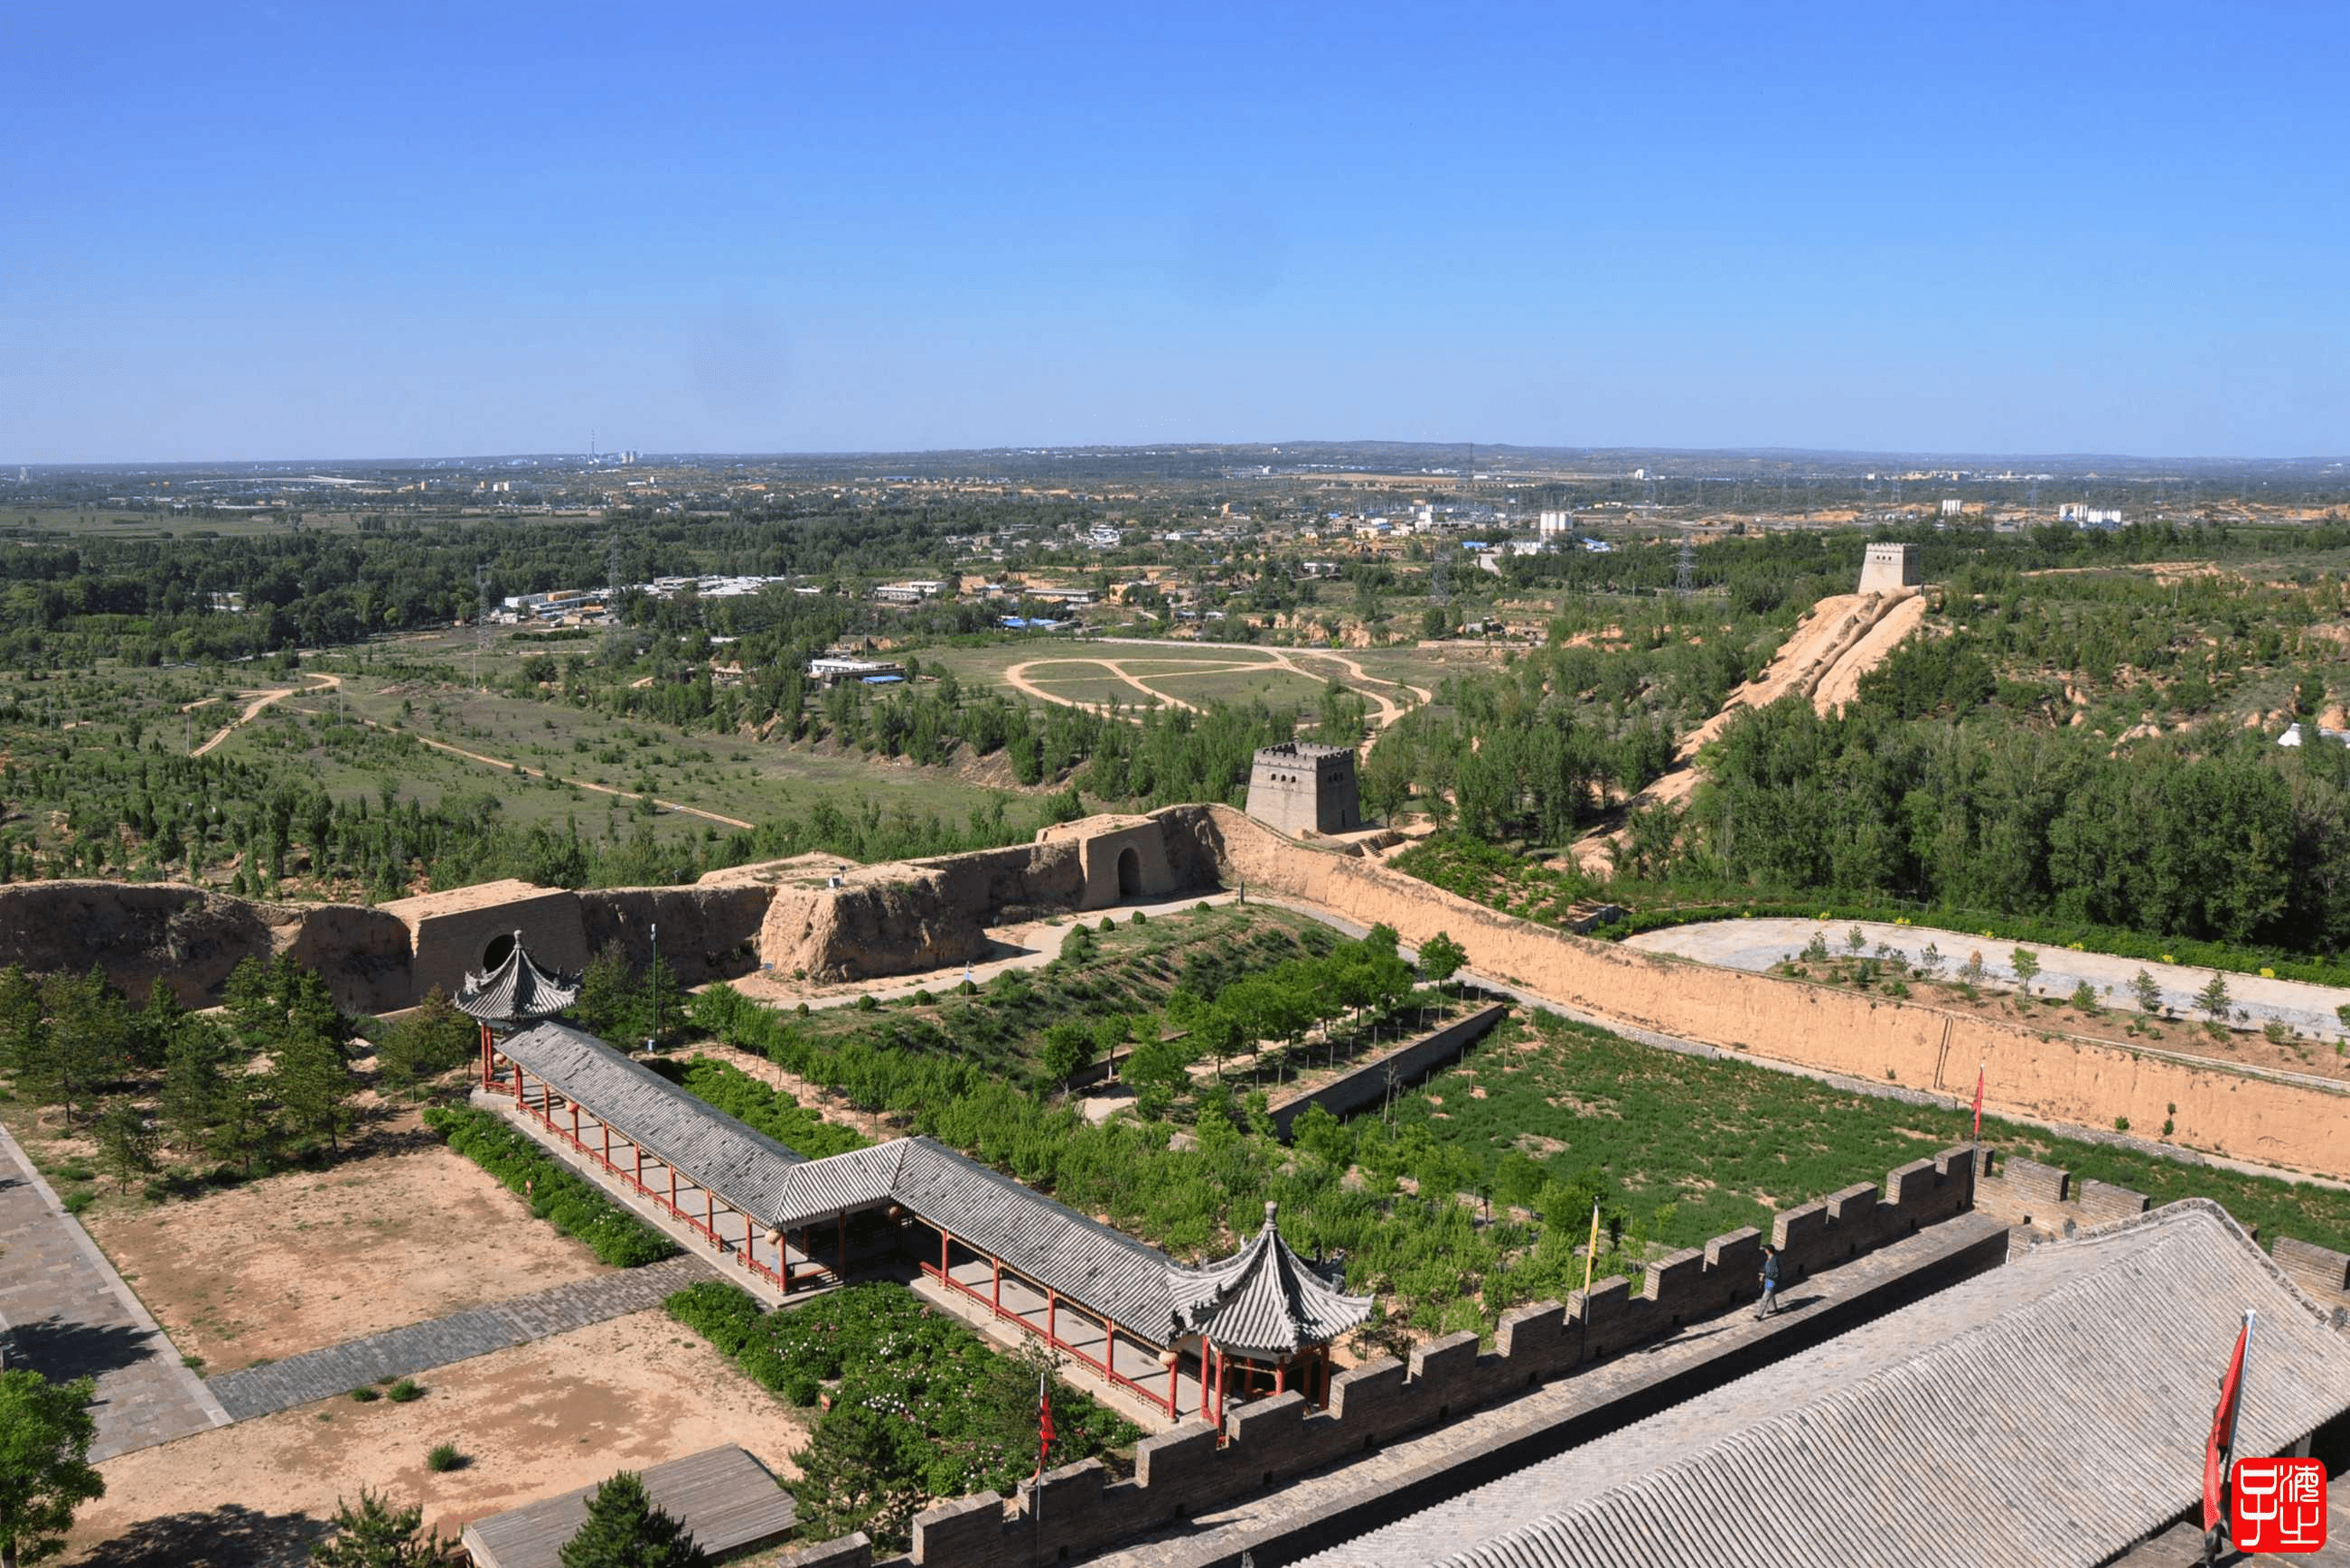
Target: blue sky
column 357, row 231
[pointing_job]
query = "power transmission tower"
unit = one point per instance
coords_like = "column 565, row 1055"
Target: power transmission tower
column 480, row 620
column 1685, row 573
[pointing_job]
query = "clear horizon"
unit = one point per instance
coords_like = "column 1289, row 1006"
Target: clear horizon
column 2098, row 231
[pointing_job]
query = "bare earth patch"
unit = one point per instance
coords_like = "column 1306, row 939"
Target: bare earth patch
column 532, row 1421
column 308, row 1259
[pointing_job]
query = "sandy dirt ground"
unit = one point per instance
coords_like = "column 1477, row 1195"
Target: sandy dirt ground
column 532, row 1421
column 308, row 1258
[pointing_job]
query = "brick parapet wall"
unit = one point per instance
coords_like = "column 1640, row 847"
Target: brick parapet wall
column 2049, row 1200
column 1183, row 1472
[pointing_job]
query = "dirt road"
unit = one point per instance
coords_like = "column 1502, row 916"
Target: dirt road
column 261, row 700
column 517, row 769
column 1384, row 710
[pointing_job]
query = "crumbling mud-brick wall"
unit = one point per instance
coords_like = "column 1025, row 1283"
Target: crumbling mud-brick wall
column 706, row 934
column 455, row 933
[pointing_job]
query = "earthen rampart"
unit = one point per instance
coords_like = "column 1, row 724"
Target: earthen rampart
column 1185, row 1471
column 2051, row 1076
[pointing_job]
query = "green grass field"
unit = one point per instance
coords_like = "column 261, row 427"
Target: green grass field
column 1726, row 1143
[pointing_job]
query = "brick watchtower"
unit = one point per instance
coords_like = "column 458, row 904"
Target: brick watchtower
column 1299, row 787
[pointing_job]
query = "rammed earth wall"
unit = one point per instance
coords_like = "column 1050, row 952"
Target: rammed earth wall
column 2053, row 1076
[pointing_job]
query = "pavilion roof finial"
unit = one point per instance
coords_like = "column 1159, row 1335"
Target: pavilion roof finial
column 518, row 988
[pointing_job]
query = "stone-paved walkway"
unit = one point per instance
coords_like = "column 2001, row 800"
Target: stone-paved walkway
column 70, row 1314
column 460, row 1337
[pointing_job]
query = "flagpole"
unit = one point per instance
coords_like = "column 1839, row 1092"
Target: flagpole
column 1590, row 1256
column 2232, row 1409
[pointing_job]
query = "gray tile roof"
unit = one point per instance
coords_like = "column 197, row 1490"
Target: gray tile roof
column 517, row 989
column 2053, row 1411
column 738, row 1162
column 1079, row 1257
column 1264, row 1299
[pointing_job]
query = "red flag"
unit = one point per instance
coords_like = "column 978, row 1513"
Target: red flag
column 1044, row 1423
column 1979, row 1086
column 2223, row 1428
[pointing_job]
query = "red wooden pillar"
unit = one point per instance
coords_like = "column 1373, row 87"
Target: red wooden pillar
column 750, row 1242
column 998, row 1285
column 489, row 1053
column 608, row 1142
column 1174, row 1370
column 517, row 1071
column 1222, row 1368
column 709, row 1214
column 575, row 1128
column 638, row 1176
column 1053, row 1317
column 945, row 1278
column 672, row 1191
column 1280, row 1377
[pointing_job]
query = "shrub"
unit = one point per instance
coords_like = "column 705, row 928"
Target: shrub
column 1108, row 924
column 1138, row 919
column 405, row 1390
column 865, row 1003
column 364, row 1395
column 443, row 1457
column 770, row 1110
column 75, row 1202
column 2085, row 997
column 563, row 1200
column 2121, row 1124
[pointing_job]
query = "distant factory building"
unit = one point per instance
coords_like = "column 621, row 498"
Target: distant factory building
column 831, row 671
column 1556, row 525
column 911, row 593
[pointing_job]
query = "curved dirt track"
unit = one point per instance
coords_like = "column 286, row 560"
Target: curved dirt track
column 1384, row 710
column 1844, row 637
column 261, row 702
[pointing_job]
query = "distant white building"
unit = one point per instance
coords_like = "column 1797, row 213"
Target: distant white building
column 2294, row 734
column 912, row 593
column 2088, row 516
column 1952, row 506
column 1555, row 525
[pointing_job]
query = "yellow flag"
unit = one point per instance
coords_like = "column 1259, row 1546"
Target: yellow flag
column 1591, row 1253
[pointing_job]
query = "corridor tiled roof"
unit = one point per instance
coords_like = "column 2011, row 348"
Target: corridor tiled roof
column 2053, row 1411
column 1264, row 1299
column 517, row 989
column 1072, row 1254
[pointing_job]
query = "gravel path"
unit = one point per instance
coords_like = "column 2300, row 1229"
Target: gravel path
column 1756, row 945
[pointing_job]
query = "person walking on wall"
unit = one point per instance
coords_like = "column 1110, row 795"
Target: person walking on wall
column 1769, row 1304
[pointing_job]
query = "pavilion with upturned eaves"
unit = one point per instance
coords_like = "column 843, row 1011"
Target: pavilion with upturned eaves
column 1184, row 1341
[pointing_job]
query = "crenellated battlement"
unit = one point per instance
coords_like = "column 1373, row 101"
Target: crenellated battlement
column 1179, row 1473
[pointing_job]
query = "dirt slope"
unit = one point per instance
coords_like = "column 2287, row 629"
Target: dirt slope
column 1844, row 637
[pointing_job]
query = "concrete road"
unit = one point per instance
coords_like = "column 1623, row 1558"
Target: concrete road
column 1756, row 945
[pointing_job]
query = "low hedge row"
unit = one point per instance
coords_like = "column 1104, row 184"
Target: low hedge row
column 770, row 1110
column 2000, row 928
column 556, row 1195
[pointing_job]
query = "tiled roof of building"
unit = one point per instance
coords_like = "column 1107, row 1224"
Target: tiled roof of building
column 1091, row 1264
column 517, row 989
column 2053, row 1411
column 1264, row 1299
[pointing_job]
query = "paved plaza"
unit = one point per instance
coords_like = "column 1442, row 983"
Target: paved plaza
column 70, row 1315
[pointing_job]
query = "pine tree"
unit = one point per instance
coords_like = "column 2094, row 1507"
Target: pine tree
column 314, row 1083
column 124, row 1142
column 433, row 1038
column 624, row 1530
column 23, row 1021
column 375, row 1535
column 195, row 1065
column 857, row 1474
